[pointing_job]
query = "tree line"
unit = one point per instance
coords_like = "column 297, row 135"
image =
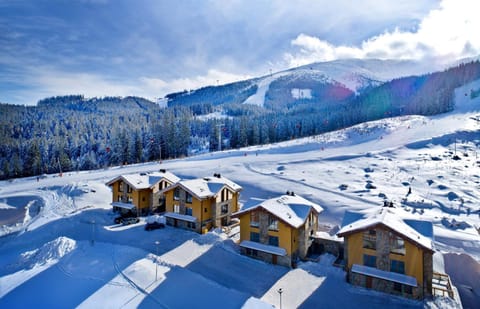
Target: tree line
column 69, row 133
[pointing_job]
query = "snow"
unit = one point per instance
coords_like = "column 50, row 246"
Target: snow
column 352, row 73
column 387, row 275
column 123, row 205
column 393, row 219
column 208, row 186
column 143, row 180
column 69, row 253
column 264, row 248
column 301, row 93
column 180, row 217
column 293, row 210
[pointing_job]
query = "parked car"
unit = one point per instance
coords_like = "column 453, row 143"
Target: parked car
column 119, row 219
column 154, row 225
column 131, row 220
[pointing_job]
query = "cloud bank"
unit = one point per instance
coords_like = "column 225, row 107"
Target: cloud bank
column 446, row 33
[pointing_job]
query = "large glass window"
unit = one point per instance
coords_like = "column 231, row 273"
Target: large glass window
column 188, row 211
column 176, row 209
column 254, row 219
column 189, row 198
column 273, row 241
column 370, row 260
column 398, row 245
column 272, row 223
column 120, row 186
column 370, row 239
column 397, row 266
column 224, row 209
column 254, row 237
column 176, row 194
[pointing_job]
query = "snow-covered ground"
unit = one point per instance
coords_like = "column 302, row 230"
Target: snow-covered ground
column 60, row 247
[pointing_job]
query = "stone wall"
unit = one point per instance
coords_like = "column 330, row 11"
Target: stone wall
column 427, row 273
column 384, row 286
column 322, row 245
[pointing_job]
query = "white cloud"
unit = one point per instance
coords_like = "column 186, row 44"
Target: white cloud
column 48, row 82
column 446, row 33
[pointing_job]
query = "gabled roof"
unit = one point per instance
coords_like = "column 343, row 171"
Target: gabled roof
column 419, row 232
column 203, row 188
column 145, row 180
column 291, row 209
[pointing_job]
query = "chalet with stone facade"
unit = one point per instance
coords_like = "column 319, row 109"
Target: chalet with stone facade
column 278, row 230
column 141, row 193
column 386, row 252
column 201, row 204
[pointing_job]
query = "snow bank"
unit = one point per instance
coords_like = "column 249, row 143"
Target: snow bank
column 49, row 253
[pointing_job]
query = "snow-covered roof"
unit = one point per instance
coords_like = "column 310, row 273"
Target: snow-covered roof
column 382, row 274
column 264, row 248
column 123, row 205
column 146, row 180
column 292, row 209
column 180, row 217
column 206, row 187
column 417, row 231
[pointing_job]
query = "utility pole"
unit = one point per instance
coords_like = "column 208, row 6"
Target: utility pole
column 280, row 291
column 156, row 260
column 93, row 232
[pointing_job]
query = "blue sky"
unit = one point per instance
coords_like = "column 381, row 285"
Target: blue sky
column 151, row 48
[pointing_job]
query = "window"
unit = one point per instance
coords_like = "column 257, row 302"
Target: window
column 191, row 225
column 273, row 241
column 188, row 198
column 119, row 198
column 120, row 186
column 176, row 209
column 224, row 209
column 251, row 252
column 188, row 211
column 224, row 195
column 397, row 266
column 407, row 289
column 370, row 260
column 370, row 239
column 254, row 219
column 254, row 237
column 129, row 199
column 272, row 223
column 398, row 245
column 397, row 287
column 143, row 199
column 205, row 209
column 160, row 186
column 176, row 194
column 129, row 189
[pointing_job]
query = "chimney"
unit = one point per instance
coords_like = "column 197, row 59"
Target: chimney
column 162, row 170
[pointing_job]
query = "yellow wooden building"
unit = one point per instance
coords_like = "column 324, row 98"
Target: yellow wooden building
column 201, row 204
column 278, row 230
column 386, row 252
column 141, row 193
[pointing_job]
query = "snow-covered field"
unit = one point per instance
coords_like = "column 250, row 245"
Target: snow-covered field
column 60, row 248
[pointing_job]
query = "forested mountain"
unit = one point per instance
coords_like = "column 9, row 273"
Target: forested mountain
column 68, row 133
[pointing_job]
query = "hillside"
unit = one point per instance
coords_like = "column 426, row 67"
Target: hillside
column 70, row 133
column 48, row 254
